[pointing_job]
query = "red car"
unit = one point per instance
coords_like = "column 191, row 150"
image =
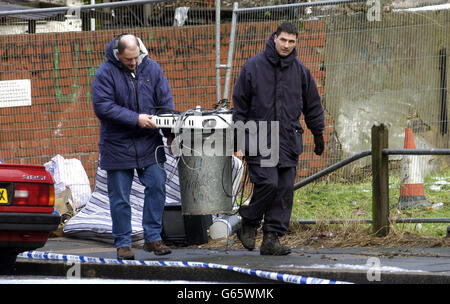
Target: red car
column 27, row 215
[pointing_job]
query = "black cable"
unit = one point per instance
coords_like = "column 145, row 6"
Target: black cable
column 223, row 186
column 244, row 184
column 170, row 110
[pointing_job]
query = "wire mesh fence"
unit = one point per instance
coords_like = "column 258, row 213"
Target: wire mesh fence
column 370, row 66
column 17, row 19
column 60, row 61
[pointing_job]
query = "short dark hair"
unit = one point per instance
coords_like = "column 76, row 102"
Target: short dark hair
column 287, row 27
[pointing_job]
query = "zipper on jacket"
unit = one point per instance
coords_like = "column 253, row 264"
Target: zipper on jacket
column 134, row 82
column 276, row 95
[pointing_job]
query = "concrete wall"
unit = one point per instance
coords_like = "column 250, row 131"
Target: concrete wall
column 386, row 72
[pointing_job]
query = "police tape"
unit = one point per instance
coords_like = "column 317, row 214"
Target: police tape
column 281, row 277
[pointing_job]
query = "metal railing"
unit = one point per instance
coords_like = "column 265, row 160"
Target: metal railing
column 358, row 62
column 111, row 15
column 236, row 12
column 59, row 62
column 366, row 71
column 380, row 182
column 360, row 65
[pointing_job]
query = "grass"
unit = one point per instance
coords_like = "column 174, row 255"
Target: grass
column 354, row 201
column 323, row 201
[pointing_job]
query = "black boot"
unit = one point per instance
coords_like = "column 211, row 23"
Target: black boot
column 271, row 245
column 247, row 234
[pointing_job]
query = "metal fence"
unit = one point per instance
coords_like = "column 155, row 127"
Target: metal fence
column 371, row 66
column 56, row 51
column 16, row 19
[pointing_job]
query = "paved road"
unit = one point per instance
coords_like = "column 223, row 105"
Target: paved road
column 355, row 265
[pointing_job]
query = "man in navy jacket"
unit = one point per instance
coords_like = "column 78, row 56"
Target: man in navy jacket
column 127, row 90
column 275, row 88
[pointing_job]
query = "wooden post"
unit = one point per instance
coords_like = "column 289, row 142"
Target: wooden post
column 380, row 181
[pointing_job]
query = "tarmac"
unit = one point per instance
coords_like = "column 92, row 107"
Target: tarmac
column 399, row 265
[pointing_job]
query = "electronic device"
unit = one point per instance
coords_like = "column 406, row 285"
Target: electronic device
column 195, row 119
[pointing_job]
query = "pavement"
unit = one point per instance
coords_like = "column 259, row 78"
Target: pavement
column 403, row 265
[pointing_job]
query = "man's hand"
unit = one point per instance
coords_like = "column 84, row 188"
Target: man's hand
column 145, row 121
column 319, row 144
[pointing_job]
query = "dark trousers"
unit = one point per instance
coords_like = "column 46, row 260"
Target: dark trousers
column 272, row 199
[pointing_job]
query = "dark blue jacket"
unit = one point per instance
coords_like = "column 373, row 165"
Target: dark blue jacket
column 118, row 99
column 274, row 88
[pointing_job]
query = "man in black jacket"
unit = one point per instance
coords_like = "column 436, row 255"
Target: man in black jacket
column 274, row 88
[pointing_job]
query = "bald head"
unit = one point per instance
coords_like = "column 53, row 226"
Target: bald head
column 127, row 41
column 128, row 51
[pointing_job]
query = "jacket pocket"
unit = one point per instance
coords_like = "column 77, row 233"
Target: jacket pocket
column 298, row 141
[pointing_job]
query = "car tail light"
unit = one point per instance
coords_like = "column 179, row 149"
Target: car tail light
column 34, row 195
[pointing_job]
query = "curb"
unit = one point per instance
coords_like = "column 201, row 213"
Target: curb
column 155, row 270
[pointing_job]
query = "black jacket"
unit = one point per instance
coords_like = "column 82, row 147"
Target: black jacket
column 274, row 88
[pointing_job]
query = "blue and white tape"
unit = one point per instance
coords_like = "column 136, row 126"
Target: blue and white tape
column 281, row 277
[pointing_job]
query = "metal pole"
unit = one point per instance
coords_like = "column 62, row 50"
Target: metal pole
column 331, row 168
column 93, row 19
column 309, row 4
column 416, row 151
column 230, row 50
column 81, row 7
column 443, row 68
column 218, row 93
column 370, row 221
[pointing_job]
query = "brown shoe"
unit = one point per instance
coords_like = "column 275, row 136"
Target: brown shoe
column 125, row 253
column 158, row 247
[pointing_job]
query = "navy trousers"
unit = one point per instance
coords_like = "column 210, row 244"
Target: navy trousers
column 272, row 199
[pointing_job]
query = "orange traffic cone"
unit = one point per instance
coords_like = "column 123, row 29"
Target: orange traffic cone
column 411, row 189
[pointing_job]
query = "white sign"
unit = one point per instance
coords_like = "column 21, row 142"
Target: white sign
column 15, row 93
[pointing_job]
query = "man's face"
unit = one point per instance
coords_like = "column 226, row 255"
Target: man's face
column 129, row 58
column 285, row 43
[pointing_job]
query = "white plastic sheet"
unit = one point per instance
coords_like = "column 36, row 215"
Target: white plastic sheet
column 70, row 173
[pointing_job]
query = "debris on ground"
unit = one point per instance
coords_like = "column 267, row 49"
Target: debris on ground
column 311, row 236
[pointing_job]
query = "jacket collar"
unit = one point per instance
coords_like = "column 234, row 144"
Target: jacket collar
column 271, row 54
